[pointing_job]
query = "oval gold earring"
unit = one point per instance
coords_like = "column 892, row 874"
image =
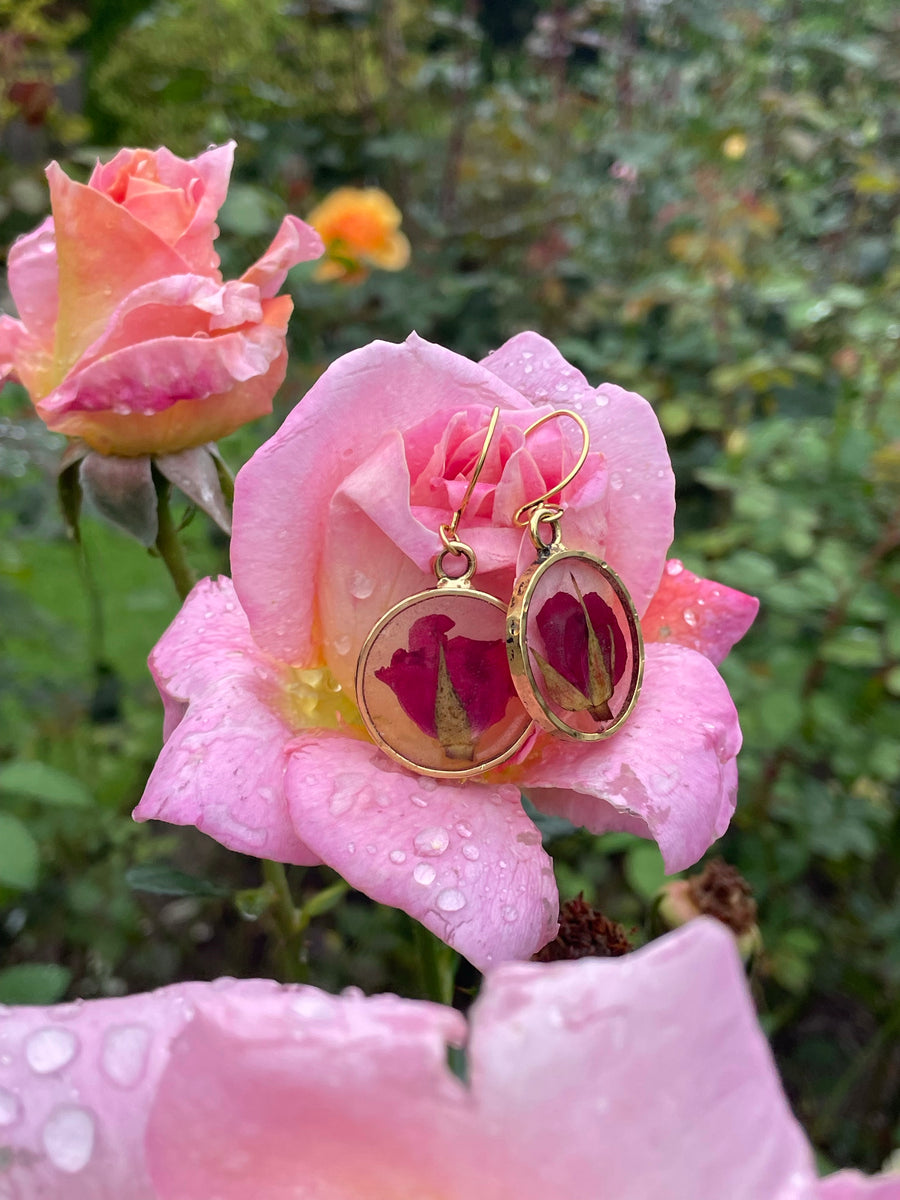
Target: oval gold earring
column 433, row 683
column 573, row 636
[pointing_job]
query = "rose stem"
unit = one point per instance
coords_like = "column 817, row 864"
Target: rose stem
column 437, row 964
column 167, row 543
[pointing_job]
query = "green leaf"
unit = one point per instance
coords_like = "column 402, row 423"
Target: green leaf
column 18, row 854
column 37, row 781
column 161, row 880
column 644, row 869
column 34, row 983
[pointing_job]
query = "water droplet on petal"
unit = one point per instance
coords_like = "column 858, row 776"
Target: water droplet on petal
column 397, row 856
column 616, row 482
column 68, row 1138
column 674, row 566
column 450, row 900
column 510, row 914
column 690, row 617
column 361, row 586
column 424, row 874
column 463, row 830
column 49, row 1050
column 470, row 852
column 602, row 401
column 10, row 1109
column 419, row 802
column 124, row 1054
column 431, row 842
column 342, row 644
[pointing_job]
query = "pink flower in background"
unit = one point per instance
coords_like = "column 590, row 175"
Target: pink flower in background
column 128, row 336
column 640, row 1078
column 336, row 519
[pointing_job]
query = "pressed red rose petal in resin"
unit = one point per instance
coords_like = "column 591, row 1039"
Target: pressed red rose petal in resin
column 575, row 645
column 434, row 685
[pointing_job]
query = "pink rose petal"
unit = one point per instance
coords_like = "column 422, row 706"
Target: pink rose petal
column 669, row 773
column 640, row 1078
column 623, row 427
column 315, row 1095
column 295, row 242
column 222, row 766
column 463, row 859
column 76, row 1085
column 33, row 272
column 11, row 335
column 92, row 283
column 852, row 1185
column 699, row 613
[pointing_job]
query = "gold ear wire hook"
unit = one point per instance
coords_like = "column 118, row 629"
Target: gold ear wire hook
column 448, row 531
column 521, row 517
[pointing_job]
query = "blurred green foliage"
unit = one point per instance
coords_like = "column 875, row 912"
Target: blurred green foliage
column 695, row 200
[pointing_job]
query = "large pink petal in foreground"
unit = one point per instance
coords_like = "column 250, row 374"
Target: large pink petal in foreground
column 465, row 860
column 313, row 1096
column 643, row 1078
column 669, row 773
column 222, row 766
column 699, row 613
column 852, row 1185
column 76, row 1086
column 624, row 428
column 683, row 1098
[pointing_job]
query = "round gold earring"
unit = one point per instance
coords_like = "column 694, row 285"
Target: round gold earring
column 573, row 636
column 433, row 682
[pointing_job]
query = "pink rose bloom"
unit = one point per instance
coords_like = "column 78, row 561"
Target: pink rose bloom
column 129, row 338
column 336, row 519
column 640, row 1078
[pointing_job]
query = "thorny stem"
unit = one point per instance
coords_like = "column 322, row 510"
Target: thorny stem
column 167, row 543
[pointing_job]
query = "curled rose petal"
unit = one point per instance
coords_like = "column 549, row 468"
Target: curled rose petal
column 698, row 613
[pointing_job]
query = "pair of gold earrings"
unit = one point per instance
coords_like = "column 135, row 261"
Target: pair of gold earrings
column 450, row 681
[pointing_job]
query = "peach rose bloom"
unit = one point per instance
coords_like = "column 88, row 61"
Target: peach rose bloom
column 128, row 337
column 360, row 228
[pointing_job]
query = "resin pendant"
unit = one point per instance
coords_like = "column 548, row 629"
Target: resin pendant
column 574, row 640
column 433, row 682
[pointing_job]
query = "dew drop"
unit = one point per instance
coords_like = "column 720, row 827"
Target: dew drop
column 124, row 1054
column 432, row 842
column 450, row 900
column 10, row 1108
column 342, row 644
column 616, row 482
column 674, row 566
column 351, row 847
column 510, row 914
column 361, row 586
column 470, row 852
column 47, row 245
column 340, row 803
column 49, row 1050
column 419, row 802
column 397, row 856
column 463, row 830
column 68, row 1138
column 690, row 617
column 602, row 401
column 424, row 874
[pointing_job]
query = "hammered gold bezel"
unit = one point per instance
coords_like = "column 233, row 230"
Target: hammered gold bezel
column 520, row 660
